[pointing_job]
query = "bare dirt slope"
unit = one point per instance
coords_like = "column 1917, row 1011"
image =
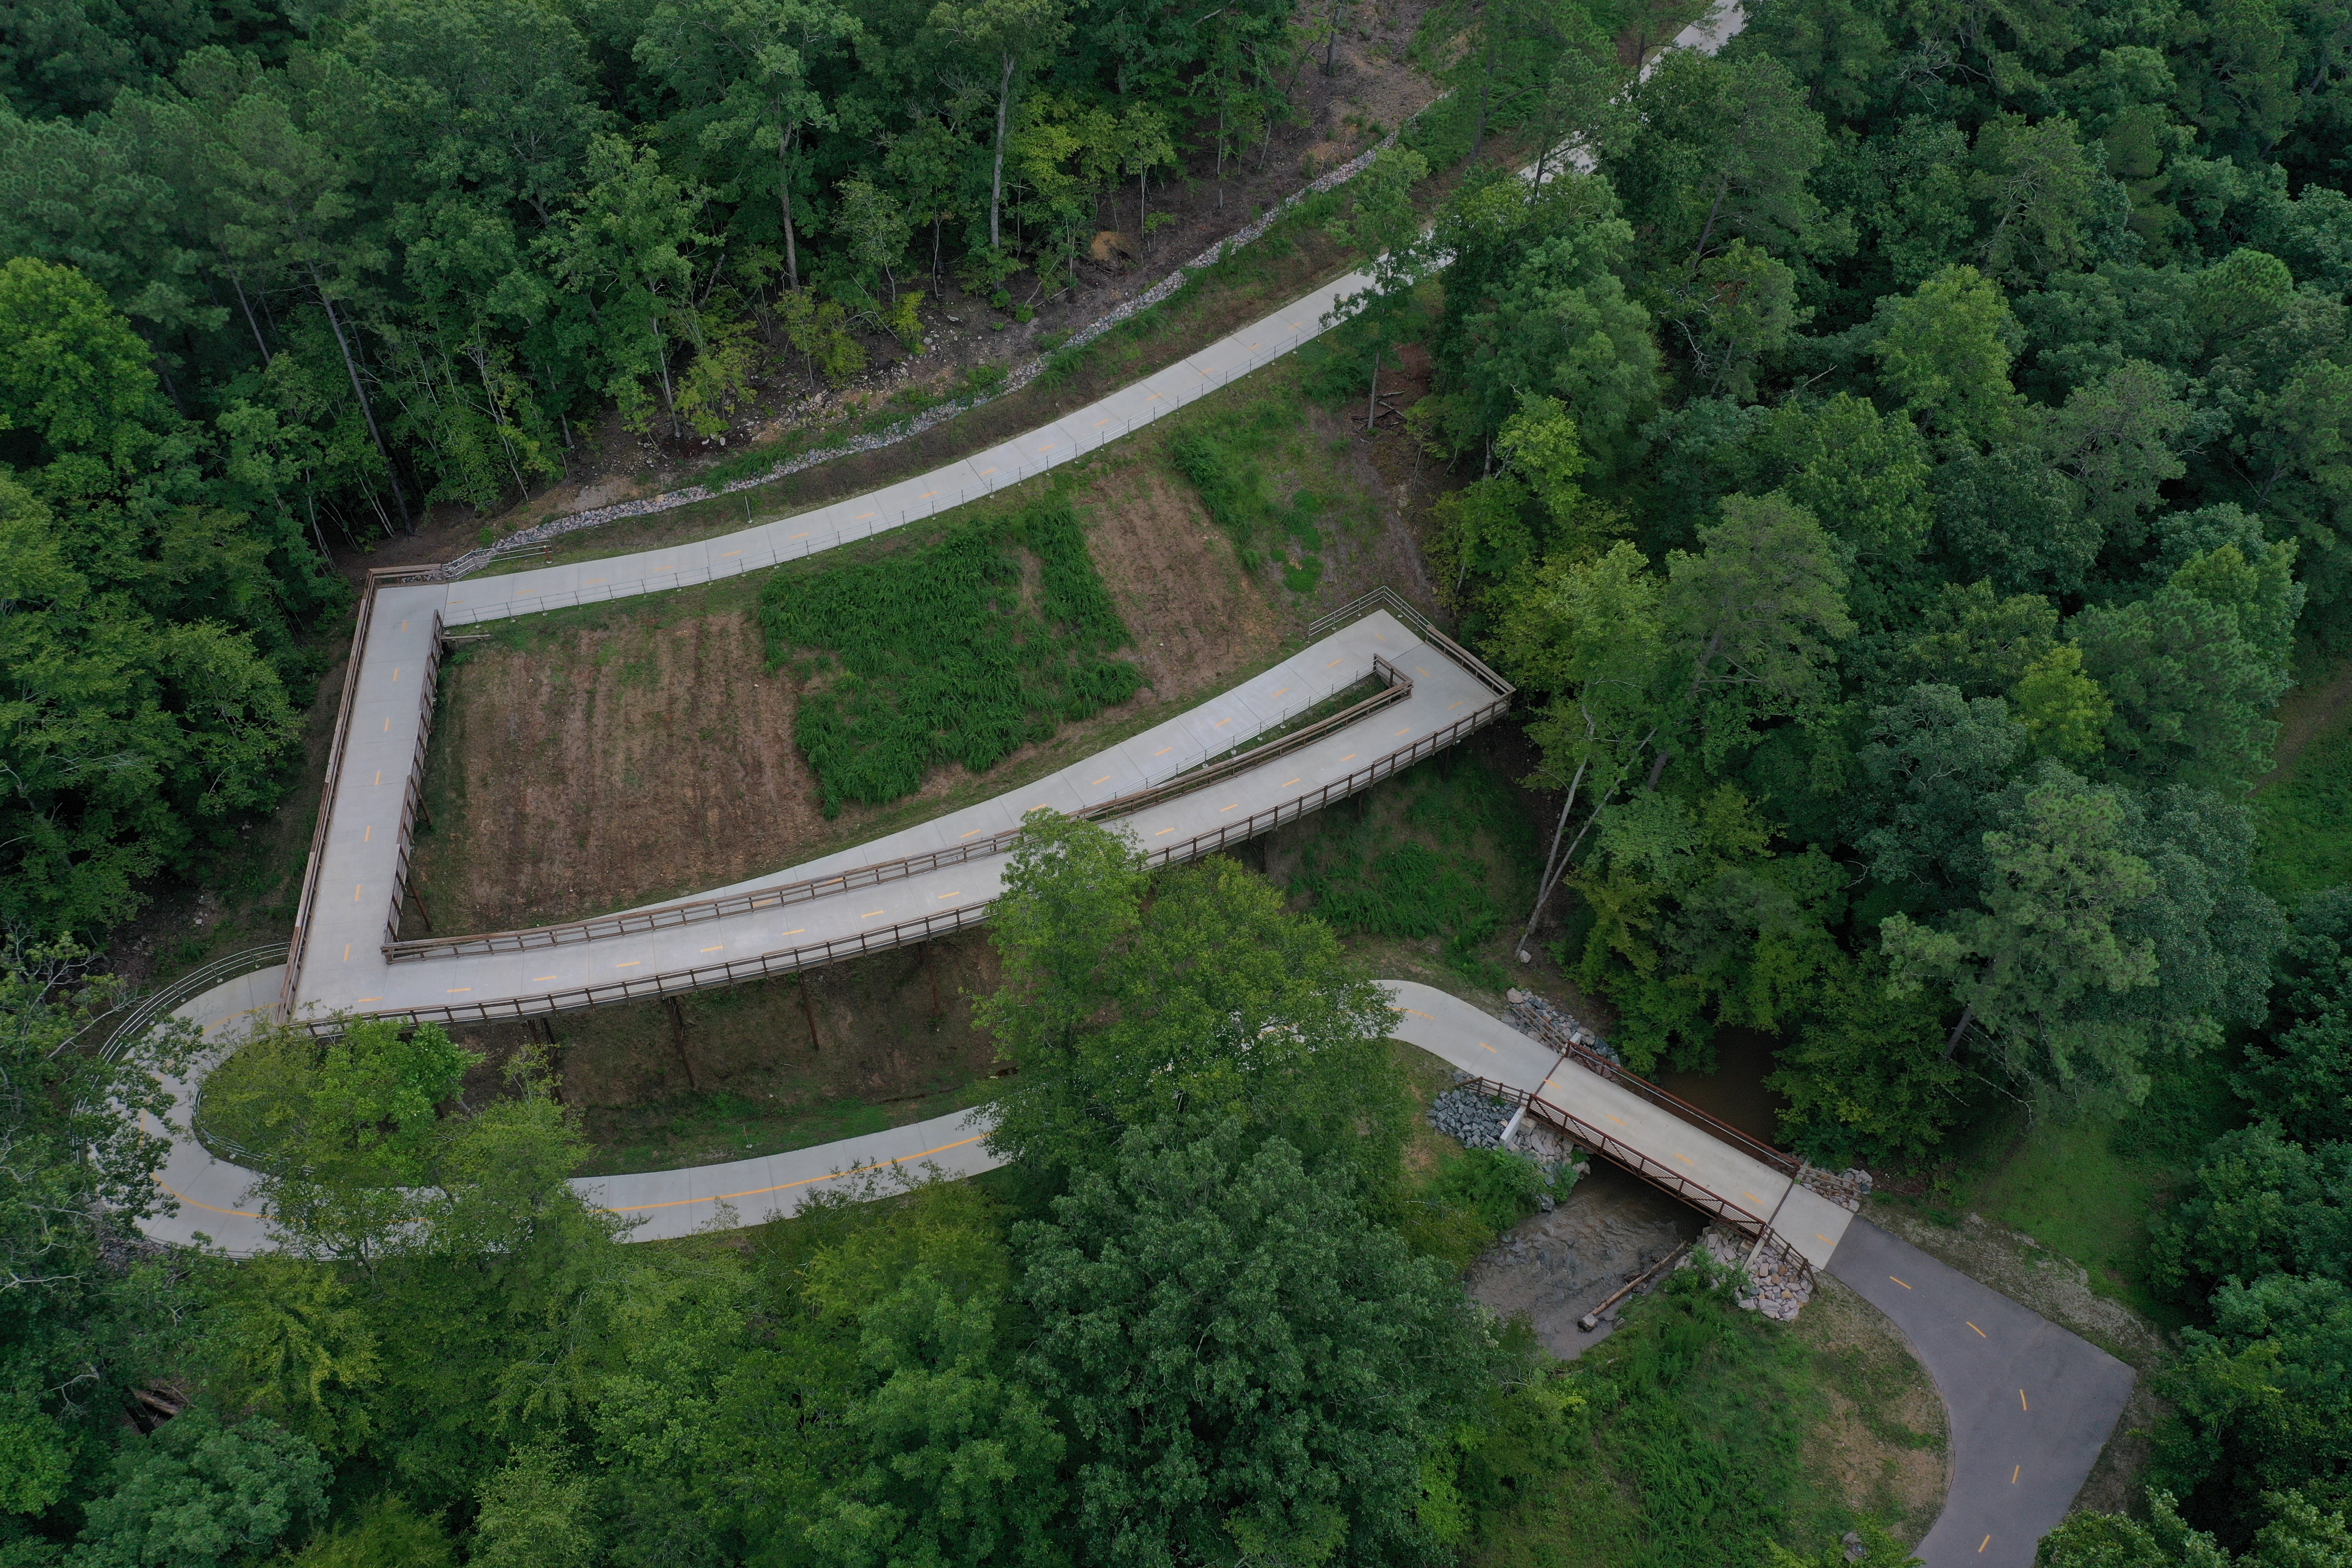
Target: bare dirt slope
column 648, row 753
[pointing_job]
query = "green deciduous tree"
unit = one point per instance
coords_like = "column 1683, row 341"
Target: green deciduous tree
column 2060, row 883
column 1248, row 1366
column 1207, row 1008
column 202, row 1494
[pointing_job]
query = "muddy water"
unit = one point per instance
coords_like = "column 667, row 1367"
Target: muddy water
column 1557, row 1267
column 1735, row 1090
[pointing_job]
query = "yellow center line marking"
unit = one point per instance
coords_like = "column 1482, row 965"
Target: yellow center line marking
column 1153, row 398
column 861, row 516
column 356, row 892
column 1099, row 423
column 1328, row 665
column 1102, row 780
column 1980, row 1333
column 395, row 672
column 1982, row 1544
column 1548, row 1084
column 1423, row 673
column 2021, row 1400
column 796, row 536
column 1285, row 784
column 593, row 581
column 1279, row 693
column 2015, row 1471
column 370, row 998
column 1686, row 1160
column 536, row 979
column 459, row 990
column 367, row 835
column 714, row 948
column 985, row 472
column 630, row 965
column 1348, row 758
column 1163, row 751
column 1618, row 1120
column 870, row 914
column 1752, row 1197
column 404, row 626
column 1163, row 833
column 379, row 777
column 1220, row 724
column 1047, row 447
column 797, row 931
column 1222, row 810
column 957, row 894
column 723, row 554
column 1899, row 1282
column 1379, row 637
column 968, row 835
column 927, row 495
column 1485, row 1046
column 347, row 952
column 1406, row 731
column 387, row 726
column 1819, row 1238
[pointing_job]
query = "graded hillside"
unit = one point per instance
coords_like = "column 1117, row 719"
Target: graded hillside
column 593, row 758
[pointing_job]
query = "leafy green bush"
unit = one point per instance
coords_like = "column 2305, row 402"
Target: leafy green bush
column 932, row 656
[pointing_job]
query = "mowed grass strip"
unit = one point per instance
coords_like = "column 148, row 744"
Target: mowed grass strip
column 947, row 653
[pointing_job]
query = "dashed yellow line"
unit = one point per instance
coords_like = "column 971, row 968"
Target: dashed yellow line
column 1899, row 1282
column 1980, row 1333
column 720, row 946
column 630, row 965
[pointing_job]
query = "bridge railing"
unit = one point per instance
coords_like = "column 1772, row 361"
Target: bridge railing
column 1624, row 1155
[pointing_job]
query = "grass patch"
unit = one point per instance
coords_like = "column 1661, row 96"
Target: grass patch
column 2304, row 819
column 707, row 1128
column 1686, row 1452
column 2087, row 1186
column 1441, row 852
column 1229, row 465
column 938, row 655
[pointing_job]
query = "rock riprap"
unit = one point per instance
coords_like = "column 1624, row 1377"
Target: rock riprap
column 1779, row 1283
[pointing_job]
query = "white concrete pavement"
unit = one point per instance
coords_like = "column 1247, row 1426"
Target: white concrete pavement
column 347, row 969
column 1449, row 1027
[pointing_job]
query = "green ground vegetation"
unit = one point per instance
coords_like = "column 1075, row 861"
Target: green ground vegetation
column 1678, row 1441
column 1234, row 465
column 937, row 655
column 1442, row 851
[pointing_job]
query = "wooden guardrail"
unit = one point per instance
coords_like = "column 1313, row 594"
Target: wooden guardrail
column 907, row 932
column 297, row 948
column 692, row 912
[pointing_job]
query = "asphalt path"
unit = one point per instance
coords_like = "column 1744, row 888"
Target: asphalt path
column 2030, row 1404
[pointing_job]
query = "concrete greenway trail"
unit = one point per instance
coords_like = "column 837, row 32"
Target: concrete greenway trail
column 2013, row 1473
column 2030, row 1404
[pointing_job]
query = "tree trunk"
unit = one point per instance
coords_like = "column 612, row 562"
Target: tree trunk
column 1331, row 44
column 1959, row 1030
column 1551, row 858
column 259, row 341
column 808, row 1011
column 677, row 1037
column 1485, row 86
column 996, row 177
column 1372, row 403
column 935, row 256
column 785, row 189
column 367, row 411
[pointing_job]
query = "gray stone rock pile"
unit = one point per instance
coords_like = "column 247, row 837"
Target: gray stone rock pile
column 1845, row 1188
column 1554, row 1026
column 1470, row 1118
column 1779, row 1283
